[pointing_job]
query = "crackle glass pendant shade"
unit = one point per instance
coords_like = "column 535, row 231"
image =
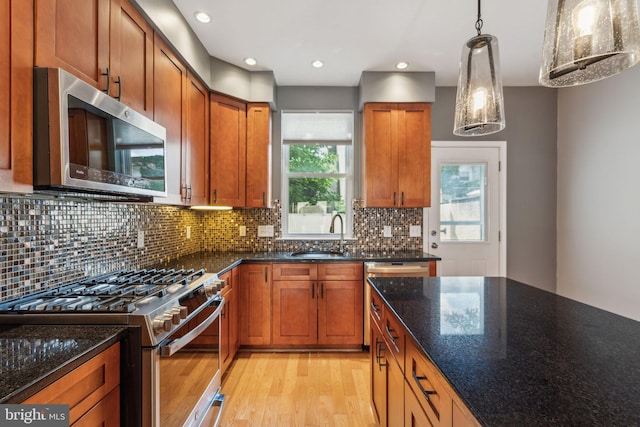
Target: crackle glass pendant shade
column 588, row 40
column 479, row 100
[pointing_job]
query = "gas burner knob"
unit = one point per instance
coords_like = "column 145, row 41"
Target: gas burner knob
column 172, row 315
column 182, row 311
column 162, row 324
column 210, row 289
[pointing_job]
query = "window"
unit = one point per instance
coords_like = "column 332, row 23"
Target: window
column 317, row 158
column 462, row 202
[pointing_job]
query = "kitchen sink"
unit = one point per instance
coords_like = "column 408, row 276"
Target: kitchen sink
column 317, row 254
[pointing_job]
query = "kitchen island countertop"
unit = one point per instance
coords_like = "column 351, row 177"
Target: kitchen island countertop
column 34, row 356
column 518, row 355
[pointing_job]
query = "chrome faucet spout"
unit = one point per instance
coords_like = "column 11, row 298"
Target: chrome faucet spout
column 332, row 229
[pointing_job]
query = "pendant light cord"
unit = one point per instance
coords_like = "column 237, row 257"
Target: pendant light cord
column 479, row 20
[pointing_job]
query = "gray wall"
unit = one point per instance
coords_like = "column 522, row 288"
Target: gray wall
column 598, row 195
column 531, row 133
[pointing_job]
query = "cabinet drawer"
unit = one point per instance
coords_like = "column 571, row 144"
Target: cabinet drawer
column 427, row 384
column 295, row 271
column 104, row 413
column 376, row 308
column 394, row 336
column 340, row 271
column 85, row 386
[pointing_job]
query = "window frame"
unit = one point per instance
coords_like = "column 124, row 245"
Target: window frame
column 347, row 176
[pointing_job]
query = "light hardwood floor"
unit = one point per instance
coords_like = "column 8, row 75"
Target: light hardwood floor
column 298, row 389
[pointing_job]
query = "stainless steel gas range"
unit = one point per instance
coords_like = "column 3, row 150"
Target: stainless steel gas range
column 171, row 358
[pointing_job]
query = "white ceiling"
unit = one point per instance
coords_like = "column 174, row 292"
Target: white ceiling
column 352, row 36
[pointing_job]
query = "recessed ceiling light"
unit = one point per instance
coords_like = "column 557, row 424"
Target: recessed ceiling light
column 202, row 17
column 250, row 61
column 317, row 64
column 402, row 65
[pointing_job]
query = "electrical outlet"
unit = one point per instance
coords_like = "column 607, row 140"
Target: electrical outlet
column 265, row 231
column 243, row 230
column 415, row 231
column 188, row 232
column 140, row 239
column 387, row 231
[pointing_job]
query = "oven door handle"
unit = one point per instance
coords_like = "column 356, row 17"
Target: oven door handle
column 175, row 345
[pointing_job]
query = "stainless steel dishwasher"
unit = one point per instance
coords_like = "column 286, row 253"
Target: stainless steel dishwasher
column 389, row 269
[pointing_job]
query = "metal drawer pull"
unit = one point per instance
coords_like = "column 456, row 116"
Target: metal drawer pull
column 393, row 338
column 379, row 350
column 313, row 290
column 375, row 309
column 425, row 392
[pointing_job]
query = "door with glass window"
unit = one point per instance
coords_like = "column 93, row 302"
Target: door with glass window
column 464, row 222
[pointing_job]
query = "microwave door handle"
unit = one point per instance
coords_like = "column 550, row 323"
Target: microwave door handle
column 174, row 346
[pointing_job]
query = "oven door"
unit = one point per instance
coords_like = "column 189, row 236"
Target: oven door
column 185, row 374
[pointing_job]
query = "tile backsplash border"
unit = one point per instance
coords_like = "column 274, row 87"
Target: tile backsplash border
column 48, row 241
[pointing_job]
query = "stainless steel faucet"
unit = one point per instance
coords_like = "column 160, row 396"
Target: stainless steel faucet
column 332, row 230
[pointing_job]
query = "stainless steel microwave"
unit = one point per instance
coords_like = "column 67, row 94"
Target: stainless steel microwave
column 88, row 142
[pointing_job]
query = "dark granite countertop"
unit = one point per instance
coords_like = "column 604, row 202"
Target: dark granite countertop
column 521, row 356
column 220, row 262
column 34, row 356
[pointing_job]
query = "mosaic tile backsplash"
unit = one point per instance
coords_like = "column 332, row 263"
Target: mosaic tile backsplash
column 45, row 242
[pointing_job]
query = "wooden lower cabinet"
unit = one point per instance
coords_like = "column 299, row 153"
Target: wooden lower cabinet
column 378, row 375
column 254, row 298
column 91, row 390
column 414, row 415
column 229, row 319
column 407, row 389
column 317, row 304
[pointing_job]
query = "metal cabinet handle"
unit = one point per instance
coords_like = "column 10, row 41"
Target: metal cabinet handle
column 393, row 338
column 107, row 74
column 402, row 199
column 394, row 198
column 215, row 196
column 189, row 192
column 375, row 309
column 313, row 290
column 417, row 379
column 379, row 356
column 321, row 290
column 264, row 199
column 119, row 83
column 266, row 274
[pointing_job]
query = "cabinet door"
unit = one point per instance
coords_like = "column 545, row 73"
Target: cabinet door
column 295, row 312
column 225, row 328
column 258, row 156
column 74, row 35
column 414, row 155
column 195, row 176
column 395, row 394
column 131, row 57
column 16, row 92
column 169, row 110
column 104, row 413
column 228, row 151
column 235, row 318
column 414, row 415
column 254, row 292
column 380, row 155
column 378, row 376
column 340, row 319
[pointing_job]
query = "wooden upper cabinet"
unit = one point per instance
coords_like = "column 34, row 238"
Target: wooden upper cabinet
column 195, row 152
column 258, row 156
column 228, row 151
column 169, row 110
column 131, row 57
column 16, row 92
column 74, row 35
column 397, row 155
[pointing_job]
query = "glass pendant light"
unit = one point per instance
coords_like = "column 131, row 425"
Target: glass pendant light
column 479, row 101
column 588, row 40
